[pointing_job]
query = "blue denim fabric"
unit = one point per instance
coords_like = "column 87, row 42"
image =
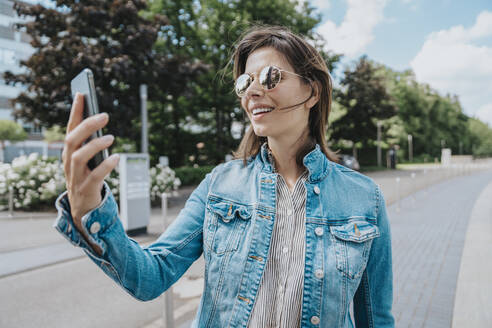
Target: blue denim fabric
column 230, row 217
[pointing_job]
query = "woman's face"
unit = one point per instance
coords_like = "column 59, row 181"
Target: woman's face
column 291, row 90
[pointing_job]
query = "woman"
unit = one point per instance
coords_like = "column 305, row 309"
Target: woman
column 289, row 237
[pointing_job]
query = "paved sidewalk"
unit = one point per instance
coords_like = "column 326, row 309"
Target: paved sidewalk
column 474, row 289
column 428, row 234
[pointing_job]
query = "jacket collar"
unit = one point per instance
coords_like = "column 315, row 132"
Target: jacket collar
column 315, row 161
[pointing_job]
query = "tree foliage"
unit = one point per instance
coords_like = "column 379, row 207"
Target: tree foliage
column 365, row 98
column 110, row 38
column 54, row 133
column 480, row 138
column 12, row 131
column 206, row 31
column 433, row 120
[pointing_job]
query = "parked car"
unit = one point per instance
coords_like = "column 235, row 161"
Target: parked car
column 349, row 161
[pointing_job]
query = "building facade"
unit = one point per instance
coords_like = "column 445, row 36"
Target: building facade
column 14, row 47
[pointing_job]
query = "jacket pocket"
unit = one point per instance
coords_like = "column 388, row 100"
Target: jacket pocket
column 352, row 242
column 225, row 224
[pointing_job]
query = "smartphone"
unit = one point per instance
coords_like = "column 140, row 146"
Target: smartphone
column 84, row 83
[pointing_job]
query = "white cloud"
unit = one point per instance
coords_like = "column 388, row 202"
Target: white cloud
column 355, row 32
column 457, row 61
column 320, row 4
column 485, row 113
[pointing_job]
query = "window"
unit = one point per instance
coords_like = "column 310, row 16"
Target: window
column 5, row 103
column 6, row 32
column 7, row 56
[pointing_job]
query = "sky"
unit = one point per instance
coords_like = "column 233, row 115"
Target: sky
column 446, row 43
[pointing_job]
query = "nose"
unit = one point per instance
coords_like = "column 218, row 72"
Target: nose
column 254, row 90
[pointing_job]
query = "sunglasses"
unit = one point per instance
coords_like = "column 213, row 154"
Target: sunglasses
column 270, row 77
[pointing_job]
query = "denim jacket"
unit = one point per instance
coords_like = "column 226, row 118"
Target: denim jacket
column 230, row 217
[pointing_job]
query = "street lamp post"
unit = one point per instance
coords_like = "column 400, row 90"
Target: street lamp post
column 143, row 101
column 379, row 144
column 410, row 147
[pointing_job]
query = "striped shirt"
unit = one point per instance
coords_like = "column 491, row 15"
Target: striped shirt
column 279, row 299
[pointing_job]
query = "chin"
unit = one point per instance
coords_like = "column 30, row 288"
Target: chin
column 261, row 131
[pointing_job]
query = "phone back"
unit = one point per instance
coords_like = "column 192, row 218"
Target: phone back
column 84, row 83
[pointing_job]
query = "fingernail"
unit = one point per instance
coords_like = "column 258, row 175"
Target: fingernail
column 102, row 116
column 108, row 138
column 115, row 157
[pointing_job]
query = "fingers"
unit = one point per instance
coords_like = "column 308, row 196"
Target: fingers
column 97, row 175
column 80, row 157
column 84, row 130
column 76, row 116
column 76, row 137
column 76, row 113
column 78, row 130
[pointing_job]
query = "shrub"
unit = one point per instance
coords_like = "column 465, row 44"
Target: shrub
column 191, row 176
column 37, row 182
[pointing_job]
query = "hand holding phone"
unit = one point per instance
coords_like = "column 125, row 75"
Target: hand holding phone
column 84, row 83
column 82, row 144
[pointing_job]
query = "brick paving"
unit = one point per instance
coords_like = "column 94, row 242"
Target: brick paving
column 428, row 237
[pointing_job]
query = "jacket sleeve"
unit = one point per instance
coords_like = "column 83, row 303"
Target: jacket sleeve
column 144, row 272
column 374, row 296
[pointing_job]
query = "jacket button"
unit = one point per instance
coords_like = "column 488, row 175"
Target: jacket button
column 318, row 273
column 316, row 190
column 95, row 227
column 318, row 231
column 315, row 320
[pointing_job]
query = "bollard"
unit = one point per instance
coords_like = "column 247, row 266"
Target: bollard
column 168, row 309
column 164, row 209
column 414, row 187
column 426, row 185
column 168, row 314
column 11, row 201
column 398, row 194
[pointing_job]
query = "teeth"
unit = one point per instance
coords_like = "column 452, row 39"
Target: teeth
column 261, row 110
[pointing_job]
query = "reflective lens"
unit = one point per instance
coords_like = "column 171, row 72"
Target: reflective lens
column 269, row 78
column 242, row 84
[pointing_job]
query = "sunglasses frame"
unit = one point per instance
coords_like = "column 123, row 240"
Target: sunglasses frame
column 252, row 77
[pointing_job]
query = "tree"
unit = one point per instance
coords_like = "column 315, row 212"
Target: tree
column 428, row 116
column 11, row 131
column 54, row 134
column 110, row 38
column 206, row 31
column 481, row 138
column 364, row 96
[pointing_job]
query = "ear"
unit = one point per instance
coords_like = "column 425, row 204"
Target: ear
column 315, row 87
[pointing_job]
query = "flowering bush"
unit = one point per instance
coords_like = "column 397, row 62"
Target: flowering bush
column 36, row 182
column 163, row 180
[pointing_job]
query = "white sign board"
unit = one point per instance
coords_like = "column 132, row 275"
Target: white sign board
column 134, row 192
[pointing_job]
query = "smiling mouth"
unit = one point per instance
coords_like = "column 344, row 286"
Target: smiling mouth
column 257, row 111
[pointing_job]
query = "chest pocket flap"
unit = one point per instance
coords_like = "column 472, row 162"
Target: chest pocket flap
column 357, row 231
column 226, row 225
column 228, row 211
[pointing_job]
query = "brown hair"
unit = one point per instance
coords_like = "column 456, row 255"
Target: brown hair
column 306, row 62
